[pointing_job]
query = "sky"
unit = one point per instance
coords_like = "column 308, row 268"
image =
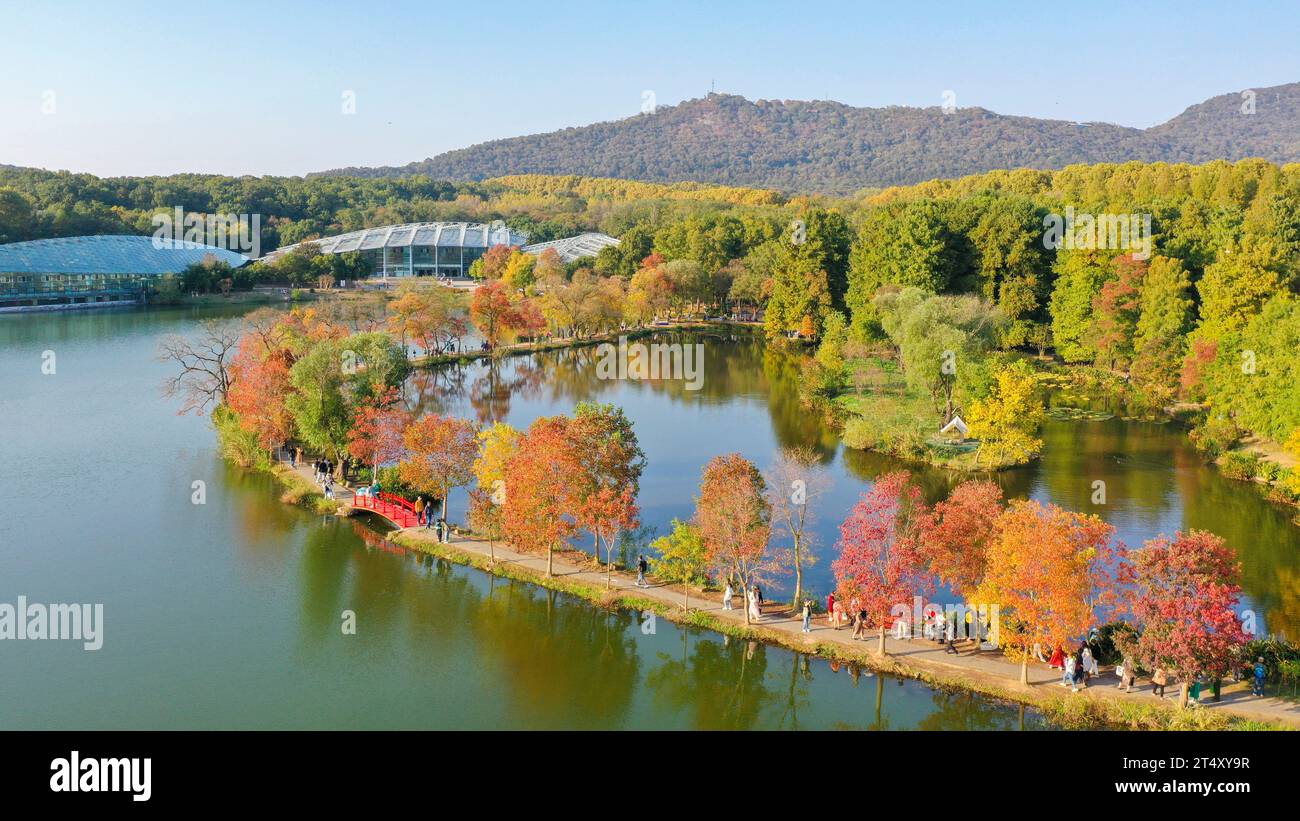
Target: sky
column 260, row 88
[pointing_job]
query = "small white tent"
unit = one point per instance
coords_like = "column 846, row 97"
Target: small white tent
column 957, row 426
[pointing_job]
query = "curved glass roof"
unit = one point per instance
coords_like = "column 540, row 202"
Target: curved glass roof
column 445, row 234
column 571, row 248
column 108, row 254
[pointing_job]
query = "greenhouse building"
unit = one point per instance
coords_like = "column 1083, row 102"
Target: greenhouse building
column 75, row 271
column 444, row 249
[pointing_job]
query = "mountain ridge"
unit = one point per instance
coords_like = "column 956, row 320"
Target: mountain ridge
column 824, row 146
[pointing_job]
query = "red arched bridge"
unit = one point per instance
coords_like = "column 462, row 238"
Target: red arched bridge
column 392, row 507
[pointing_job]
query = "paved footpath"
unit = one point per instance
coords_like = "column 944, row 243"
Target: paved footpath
column 988, row 665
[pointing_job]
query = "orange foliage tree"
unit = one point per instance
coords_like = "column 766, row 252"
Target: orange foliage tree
column 607, row 484
column 492, row 311
column 259, row 385
column 539, row 504
column 1051, row 571
column 440, row 452
column 956, row 534
column 735, row 519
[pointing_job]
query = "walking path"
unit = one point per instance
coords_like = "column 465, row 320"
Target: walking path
column 989, row 666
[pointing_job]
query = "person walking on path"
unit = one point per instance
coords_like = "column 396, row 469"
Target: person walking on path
column 1127, row 671
column 755, row 604
column 419, row 509
column 860, row 624
column 950, row 633
column 1090, row 667
column 329, row 488
column 1257, row 686
column 807, row 615
column 1058, row 659
column 830, row 609
column 726, row 596
column 1067, row 677
column 1158, row 681
column 641, row 567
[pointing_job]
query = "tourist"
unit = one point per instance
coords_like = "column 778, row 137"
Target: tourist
column 758, row 596
column 1194, row 694
column 1158, row 682
column 329, row 488
column 641, row 567
column 807, row 615
column 755, row 604
column 1067, row 676
column 726, row 596
column 1058, row 659
column 830, row 609
column 297, row 456
column 419, row 509
column 950, row 630
column 939, row 623
column 1090, row 667
column 444, row 531
column 1257, row 687
column 860, row 624
column 1038, row 652
column 1126, row 671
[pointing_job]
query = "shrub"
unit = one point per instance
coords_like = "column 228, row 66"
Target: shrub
column 1215, row 435
column 1240, row 465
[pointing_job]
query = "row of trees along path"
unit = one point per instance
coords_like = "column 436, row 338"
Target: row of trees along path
column 991, row 667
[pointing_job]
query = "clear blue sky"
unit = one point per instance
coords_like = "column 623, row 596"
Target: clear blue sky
column 255, row 87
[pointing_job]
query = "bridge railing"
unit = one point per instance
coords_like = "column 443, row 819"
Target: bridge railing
column 389, row 505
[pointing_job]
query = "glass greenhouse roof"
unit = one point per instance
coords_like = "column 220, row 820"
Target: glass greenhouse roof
column 111, row 254
column 443, row 234
column 571, row 248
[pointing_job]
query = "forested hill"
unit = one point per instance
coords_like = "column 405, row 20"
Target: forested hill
column 834, row 148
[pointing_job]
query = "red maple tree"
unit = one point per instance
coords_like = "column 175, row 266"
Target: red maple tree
column 955, row 536
column 440, row 452
column 376, row 436
column 1184, row 596
column 259, row 385
column 881, row 563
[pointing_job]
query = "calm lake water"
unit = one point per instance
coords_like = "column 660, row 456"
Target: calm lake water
column 228, row 614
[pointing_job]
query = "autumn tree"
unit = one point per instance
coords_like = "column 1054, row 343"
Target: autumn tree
column 881, row 563
column 492, row 312
column 1006, row 422
column 1049, row 570
column 956, row 535
column 1115, row 312
column 795, row 483
column 1184, row 596
column 497, row 445
column 734, row 519
column 378, row 431
column 607, row 484
column 539, row 488
column 203, row 364
column 440, row 454
column 259, row 385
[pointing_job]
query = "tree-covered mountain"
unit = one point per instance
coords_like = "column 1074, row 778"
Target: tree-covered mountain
column 830, row 147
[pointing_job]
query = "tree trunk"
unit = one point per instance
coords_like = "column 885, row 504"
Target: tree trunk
column 550, row 553
column 1024, row 670
column 798, row 576
column 881, row 647
column 686, row 596
column 1182, row 694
